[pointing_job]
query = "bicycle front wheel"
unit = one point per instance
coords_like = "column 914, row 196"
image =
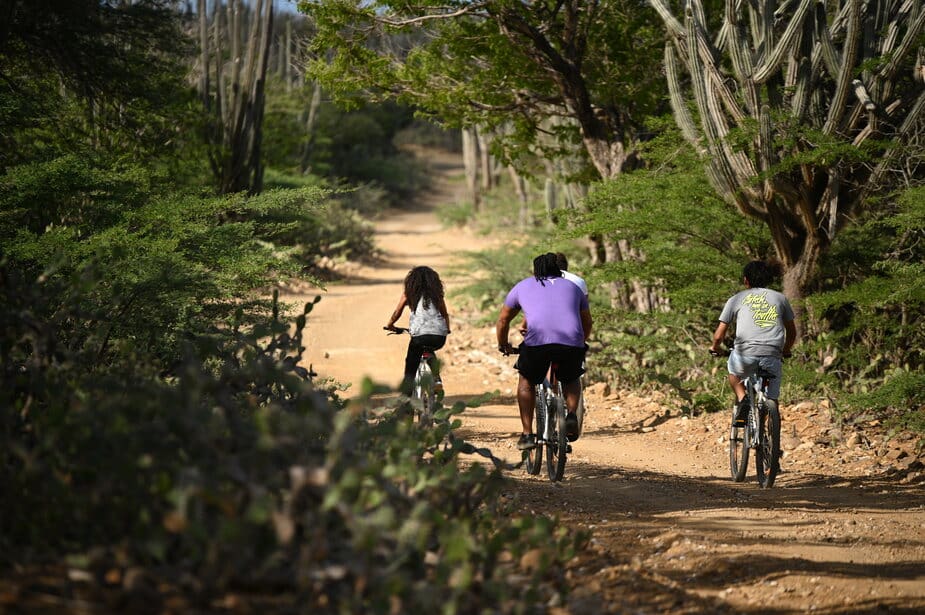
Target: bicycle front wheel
column 738, row 451
column 535, row 454
column 557, row 446
column 767, row 454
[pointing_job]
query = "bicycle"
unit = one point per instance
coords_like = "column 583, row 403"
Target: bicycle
column 549, row 415
column 761, row 431
column 422, row 391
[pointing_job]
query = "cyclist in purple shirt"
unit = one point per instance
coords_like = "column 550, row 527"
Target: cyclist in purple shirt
column 560, row 323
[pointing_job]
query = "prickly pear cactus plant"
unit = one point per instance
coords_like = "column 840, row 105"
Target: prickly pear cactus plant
column 803, row 109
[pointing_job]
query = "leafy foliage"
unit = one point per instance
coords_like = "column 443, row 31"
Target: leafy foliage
column 168, row 266
column 694, row 247
column 73, row 84
column 529, row 73
column 238, row 471
column 866, row 320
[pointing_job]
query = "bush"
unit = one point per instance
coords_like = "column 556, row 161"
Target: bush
column 865, row 322
column 237, row 472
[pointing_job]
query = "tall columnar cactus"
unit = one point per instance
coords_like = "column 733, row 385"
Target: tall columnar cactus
column 803, row 109
column 232, row 84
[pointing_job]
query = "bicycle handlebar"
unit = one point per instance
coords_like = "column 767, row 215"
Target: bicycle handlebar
column 395, row 330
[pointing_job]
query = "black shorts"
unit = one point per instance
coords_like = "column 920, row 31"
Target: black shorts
column 534, row 361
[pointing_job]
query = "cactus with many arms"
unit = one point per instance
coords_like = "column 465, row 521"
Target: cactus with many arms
column 803, row 108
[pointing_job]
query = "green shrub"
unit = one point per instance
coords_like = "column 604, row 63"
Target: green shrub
column 236, row 470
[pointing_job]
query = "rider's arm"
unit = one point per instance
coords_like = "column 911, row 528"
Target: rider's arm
column 504, row 325
column 398, row 310
column 586, row 323
column 718, row 336
column 791, row 329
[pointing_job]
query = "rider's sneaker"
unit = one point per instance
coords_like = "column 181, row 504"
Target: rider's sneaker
column 741, row 413
column 571, row 426
column 526, row 441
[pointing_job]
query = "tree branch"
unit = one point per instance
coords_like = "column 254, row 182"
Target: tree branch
column 401, row 23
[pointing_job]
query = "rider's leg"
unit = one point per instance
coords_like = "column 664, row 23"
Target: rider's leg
column 572, row 392
column 526, row 400
column 738, row 387
column 412, row 360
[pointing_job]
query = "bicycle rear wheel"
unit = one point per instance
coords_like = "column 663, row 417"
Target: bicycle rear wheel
column 767, row 454
column 535, row 454
column 738, row 451
column 557, row 446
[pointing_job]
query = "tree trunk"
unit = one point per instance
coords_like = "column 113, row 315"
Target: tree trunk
column 470, row 162
column 485, row 162
column 310, row 119
column 551, row 198
column 520, row 188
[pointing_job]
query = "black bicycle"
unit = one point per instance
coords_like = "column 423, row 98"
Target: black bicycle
column 423, row 394
column 549, row 415
column 760, row 433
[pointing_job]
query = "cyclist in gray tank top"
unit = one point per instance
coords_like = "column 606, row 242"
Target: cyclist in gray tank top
column 429, row 323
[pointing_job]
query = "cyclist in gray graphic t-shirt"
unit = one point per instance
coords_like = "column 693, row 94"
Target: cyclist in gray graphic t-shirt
column 765, row 332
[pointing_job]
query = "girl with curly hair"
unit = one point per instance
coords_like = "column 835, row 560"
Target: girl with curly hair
column 429, row 321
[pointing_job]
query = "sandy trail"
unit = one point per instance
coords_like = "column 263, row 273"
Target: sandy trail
column 843, row 531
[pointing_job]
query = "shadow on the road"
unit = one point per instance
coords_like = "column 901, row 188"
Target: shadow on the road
column 656, row 493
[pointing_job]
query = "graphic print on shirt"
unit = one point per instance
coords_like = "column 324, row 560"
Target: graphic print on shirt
column 764, row 314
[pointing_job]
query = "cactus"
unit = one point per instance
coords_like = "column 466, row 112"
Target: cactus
column 780, row 81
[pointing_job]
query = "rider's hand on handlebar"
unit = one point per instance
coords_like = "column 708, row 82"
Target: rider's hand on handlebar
column 505, row 348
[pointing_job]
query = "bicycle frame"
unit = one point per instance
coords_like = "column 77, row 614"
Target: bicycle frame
column 550, row 412
column 423, row 386
column 756, row 388
column 549, row 389
column 760, row 434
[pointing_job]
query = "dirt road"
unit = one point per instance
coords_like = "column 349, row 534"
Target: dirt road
column 842, row 531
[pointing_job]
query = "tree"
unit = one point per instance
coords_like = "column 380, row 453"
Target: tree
column 496, row 64
column 544, row 78
column 805, row 110
column 71, row 82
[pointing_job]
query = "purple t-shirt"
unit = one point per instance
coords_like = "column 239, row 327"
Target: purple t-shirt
column 552, row 310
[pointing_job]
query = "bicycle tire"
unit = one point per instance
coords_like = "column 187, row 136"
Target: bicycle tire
column 424, row 391
column 557, row 446
column 580, row 412
column 767, row 453
column 738, row 450
column 535, row 454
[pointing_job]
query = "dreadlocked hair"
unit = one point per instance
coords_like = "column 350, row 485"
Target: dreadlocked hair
column 423, row 283
column 546, row 266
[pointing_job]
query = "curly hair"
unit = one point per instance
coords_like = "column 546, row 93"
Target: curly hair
column 423, row 283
